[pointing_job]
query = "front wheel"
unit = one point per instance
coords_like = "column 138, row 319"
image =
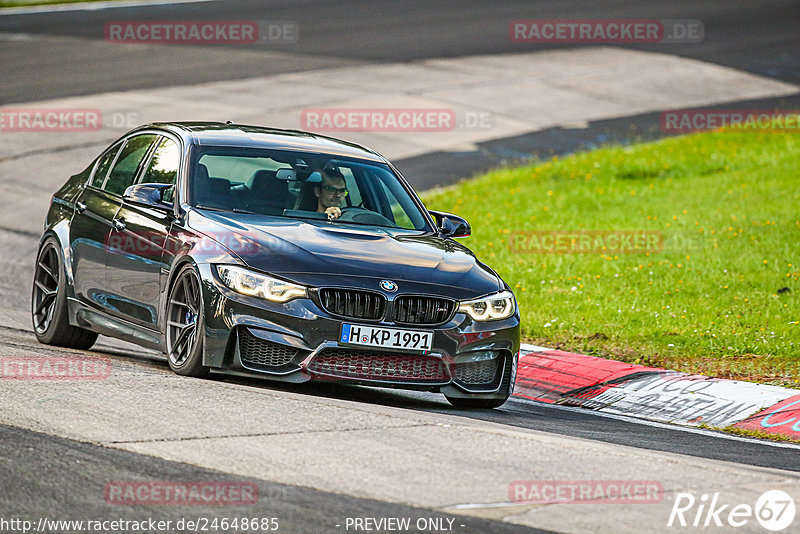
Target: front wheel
column 49, row 302
column 481, row 404
column 185, row 325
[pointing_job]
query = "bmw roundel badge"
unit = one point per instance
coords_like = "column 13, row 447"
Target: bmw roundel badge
column 388, row 285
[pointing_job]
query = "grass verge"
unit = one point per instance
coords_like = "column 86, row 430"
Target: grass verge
column 716, row 293
column 757, row 434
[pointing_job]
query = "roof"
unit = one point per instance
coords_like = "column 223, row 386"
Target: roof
column 246, row 136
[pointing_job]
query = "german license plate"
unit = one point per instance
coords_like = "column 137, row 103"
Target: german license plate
column 388, row 338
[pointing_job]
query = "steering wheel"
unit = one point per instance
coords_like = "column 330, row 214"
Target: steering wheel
column 364, row 216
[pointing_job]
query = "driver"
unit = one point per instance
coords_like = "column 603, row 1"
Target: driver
column 330, row 193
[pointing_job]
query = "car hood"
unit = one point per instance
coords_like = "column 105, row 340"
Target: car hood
column 322, row 253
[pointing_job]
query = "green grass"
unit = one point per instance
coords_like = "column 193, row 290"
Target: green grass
column 757, row 434
column 728, row 207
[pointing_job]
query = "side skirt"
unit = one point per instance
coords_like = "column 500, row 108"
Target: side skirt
column 102, row 323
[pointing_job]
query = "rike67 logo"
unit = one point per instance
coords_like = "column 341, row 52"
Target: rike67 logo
column 774, row 510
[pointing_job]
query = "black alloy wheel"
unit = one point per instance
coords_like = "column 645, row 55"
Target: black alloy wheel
column 184, row 325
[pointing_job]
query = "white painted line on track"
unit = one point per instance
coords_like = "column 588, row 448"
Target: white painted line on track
column 91, row 6
column 534, row 348
column 647, row 422
column 8, row 36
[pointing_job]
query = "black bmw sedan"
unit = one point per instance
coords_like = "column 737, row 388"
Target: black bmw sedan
column 276, row 253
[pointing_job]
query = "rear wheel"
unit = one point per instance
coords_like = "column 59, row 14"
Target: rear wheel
column 49, row 302
column 185, row 325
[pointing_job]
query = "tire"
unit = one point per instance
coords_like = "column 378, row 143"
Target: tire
column 184, row 325
column 49, row 313
column 481, row 404
column 506, row 388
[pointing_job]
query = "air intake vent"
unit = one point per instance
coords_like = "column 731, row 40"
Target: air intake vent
column 476, row 372
column 260, row 352
column 369, row 365
column 422, row 310
column 353, row 303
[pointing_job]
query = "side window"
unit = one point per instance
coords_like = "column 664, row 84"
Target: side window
column 124, row 171
column 103, row 165
column 354, row 194
column 399, row 215
column 163, row 168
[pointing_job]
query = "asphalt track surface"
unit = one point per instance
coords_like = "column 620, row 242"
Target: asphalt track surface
column 51, row 55
column 82, row 471
column 73, row 59
column 46, row 476
column 757, row 37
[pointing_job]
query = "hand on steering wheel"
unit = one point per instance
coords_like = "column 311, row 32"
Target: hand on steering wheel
column 333, row 213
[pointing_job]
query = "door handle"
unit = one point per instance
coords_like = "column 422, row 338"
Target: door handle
column 119, row 224
column 80, row 206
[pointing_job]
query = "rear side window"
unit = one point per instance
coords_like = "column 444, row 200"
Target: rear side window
column 124, row 171
column 103, row 165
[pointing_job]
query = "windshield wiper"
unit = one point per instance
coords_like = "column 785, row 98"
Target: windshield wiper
column 234, row 210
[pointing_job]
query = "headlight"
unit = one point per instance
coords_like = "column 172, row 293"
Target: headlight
column 497, row 306
column 259, row 285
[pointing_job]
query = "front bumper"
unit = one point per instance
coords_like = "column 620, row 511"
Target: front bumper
column 298, row 341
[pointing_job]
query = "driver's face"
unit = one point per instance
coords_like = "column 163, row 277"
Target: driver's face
column 331, row 193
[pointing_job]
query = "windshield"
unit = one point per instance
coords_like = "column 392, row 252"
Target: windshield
column 301, row 185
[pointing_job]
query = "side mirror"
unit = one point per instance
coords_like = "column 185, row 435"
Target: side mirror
column 451, row 225
column 150, row 195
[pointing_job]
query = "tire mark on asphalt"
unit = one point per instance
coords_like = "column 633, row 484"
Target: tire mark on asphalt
column 266, row 434
column 17, row 231
column 56, row 150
